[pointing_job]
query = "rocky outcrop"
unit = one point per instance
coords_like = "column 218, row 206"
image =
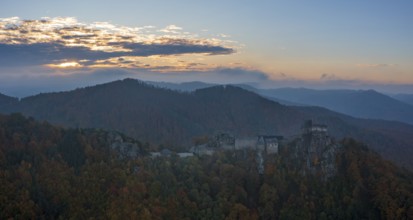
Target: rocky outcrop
column 127, row 149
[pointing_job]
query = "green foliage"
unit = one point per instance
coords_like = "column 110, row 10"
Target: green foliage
column 52, row 173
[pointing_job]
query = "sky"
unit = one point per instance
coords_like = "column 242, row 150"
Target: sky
column 54, row 45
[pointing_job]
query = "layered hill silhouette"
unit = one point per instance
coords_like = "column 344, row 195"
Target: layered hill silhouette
column 184, row 87
column 174, row 118
column 358, row 103
column 407, row 98
column 367, row 104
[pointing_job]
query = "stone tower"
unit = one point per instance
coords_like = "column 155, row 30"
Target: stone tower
column 315, row 139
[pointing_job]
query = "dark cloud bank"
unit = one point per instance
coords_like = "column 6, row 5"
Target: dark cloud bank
column 45, row 53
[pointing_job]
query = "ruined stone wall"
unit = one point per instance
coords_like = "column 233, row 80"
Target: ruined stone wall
column 245, row 143
column 272, row 148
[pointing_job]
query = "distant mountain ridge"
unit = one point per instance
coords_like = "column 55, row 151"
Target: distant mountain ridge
column 367, row 104
column 172, row 118
column 194, row 85
column 358, row 103
column 407, row 98
column 184, row 86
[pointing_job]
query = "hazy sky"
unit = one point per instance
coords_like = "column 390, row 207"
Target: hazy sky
column 320, row 44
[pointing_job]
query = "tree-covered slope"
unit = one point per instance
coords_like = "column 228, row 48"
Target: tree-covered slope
column 6, row 100
column 52, row 173
column 161, row 115
column 174, row 118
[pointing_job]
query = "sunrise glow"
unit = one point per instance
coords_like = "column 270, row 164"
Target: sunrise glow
column 65, row 65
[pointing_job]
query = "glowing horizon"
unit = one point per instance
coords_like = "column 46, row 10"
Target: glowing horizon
column 274, row 41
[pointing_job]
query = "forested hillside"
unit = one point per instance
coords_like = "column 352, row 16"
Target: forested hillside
column 6, row 100
column 161, row 115
column 49, row 172
column 174, row 119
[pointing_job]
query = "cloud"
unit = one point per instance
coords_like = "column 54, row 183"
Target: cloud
column 171, row 29
column 23, row 85
column 328, row 76
column 58, row 40
column 251, row 75
column 45, row 53
column 375, row 65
